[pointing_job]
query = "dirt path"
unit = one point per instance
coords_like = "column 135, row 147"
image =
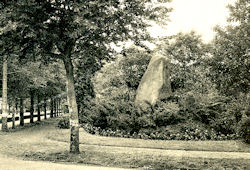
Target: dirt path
column 13, row 145
column 16, row 164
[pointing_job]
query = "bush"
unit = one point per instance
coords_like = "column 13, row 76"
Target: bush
column 63, row 123
column 244, row 129
column 192, row 116
column 166, row 113
column 188, row 131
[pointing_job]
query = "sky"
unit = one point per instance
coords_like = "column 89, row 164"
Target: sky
column 198, row 15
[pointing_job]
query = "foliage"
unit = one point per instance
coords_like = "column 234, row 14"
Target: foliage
column 196, row 110
column 165, row 114
column 187, row 54
column 123, row 115
column 187, row 131
column 230, row 63
column 119, row 79
column 244, row 130
column 45, row 29
column 192, row 117
column 63, row 123
column 51, row 31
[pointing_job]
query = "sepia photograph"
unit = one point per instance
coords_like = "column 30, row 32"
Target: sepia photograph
column 124, row 85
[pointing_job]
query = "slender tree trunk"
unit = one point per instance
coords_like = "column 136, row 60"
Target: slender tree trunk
column 51, row 107
column 54, row 104
column 13, row 110
column 4, row 96
column 15, row 113
column 31, row 106
column 73, row 111
column 21, row 112
column 45, row 109
column 38, row 108
column 59, row 106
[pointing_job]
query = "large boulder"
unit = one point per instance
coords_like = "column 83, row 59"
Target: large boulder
column 155, row 83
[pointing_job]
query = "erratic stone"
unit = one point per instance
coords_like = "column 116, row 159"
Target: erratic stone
column 155, row 83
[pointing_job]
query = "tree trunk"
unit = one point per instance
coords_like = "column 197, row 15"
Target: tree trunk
column 16, row 112
column 4, row 96
column 51, row 107
column 59, row 106
column 54, row 104
column 56, row 107
column 31, row 106
column 38, row 108
column 13, row 110
column 45, row 109
column 21, row 112
column 73, row 111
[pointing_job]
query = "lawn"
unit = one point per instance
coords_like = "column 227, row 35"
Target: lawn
column 86, row 138
column 44, row 141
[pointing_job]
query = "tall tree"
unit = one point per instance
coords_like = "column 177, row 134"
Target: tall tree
column 6, row 27
column 38, row 108
column 45, row 108
column 4, row 96
column 21, row 112
column 187, row 54
column 230, row 64
column 66, row 30
column 32, row 93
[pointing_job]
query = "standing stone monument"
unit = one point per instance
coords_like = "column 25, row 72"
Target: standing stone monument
column 155, row 83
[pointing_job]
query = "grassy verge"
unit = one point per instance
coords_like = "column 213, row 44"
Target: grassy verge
column 142, row 161
column 218, row 146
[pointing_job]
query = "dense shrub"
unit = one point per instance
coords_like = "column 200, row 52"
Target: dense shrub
column 244, row 129
column 63, row 123
column 176, row 132
column 123, row 116
column 167, row 114
column 192, row 116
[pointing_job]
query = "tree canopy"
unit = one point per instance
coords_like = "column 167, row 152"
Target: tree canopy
column 52, row 30
column 231, row 51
